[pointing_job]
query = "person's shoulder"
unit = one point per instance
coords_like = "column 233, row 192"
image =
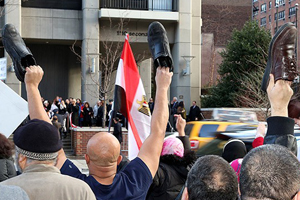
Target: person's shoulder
column 137, row 166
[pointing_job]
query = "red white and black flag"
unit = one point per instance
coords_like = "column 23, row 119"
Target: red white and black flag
column 130, row 101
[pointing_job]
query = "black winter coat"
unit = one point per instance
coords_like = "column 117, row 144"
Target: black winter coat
column 171, row 174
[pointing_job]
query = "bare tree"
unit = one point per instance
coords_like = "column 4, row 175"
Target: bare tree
column 108, row 61
column 251, row 95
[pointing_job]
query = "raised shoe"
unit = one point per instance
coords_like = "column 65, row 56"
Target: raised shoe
column 159, row 45
column 17, row 50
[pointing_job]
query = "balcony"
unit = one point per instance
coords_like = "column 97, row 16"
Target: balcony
column 146, row 5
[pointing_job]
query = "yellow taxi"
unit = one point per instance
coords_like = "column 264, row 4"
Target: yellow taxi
column 202, row 132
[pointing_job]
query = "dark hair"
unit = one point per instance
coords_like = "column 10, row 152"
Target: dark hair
column 6, row 147
column 87, row 103
column 211, row 177
column 269, row 172
column 181, row 104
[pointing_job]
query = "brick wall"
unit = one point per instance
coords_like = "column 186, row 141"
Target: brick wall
column 80, row 139
column 219, row 18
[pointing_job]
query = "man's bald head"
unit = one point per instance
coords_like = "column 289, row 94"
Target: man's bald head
column 103, row 149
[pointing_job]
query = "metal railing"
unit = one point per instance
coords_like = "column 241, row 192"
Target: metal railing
column 160, row 5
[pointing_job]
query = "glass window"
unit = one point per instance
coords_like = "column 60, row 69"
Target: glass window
column 292, row 11
column 270, row 18
column 263, row 7
column 270, row 4
column 281, row 15
column 263, row 21
column 208, row 130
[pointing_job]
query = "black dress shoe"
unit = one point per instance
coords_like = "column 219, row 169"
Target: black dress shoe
column 17, row 50
column 281, row 59
column 159, row 45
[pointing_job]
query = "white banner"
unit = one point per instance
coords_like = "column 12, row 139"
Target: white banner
column 13, row 110
column 3, row 68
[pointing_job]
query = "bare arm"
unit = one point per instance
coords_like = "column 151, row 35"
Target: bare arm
column 151, row 148
column 33, row 77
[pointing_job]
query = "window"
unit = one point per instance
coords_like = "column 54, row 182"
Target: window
column 263, row 7
column 281, row 15
column 280, row 2
column 208, row 130
column 254, row 1
column 270, row 19
column 263, row 21
column 270, row 4
column 292, row 11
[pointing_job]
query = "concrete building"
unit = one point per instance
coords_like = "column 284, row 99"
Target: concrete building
column 220, row 17
column 50, row 28
column 265, row 12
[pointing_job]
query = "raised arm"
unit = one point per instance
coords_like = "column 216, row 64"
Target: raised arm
column 33, row 77
column 151, row 148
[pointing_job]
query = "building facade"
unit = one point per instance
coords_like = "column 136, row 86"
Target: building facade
column 67, row 38
column 265, row 12
column 220, row 17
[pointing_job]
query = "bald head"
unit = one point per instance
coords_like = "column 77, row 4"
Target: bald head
column 103, row 149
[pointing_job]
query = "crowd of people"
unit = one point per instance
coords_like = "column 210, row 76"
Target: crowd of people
column 165, row 167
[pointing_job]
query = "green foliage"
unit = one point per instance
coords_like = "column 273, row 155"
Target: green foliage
column 245, row 54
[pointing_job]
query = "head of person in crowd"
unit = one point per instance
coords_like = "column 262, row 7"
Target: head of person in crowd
column 111, row 101
column 37, row 142
column 234, row 149
column 277, row 137
column 181, row 104
column 98, row 103
column 67, row 101
column 211, row 177
column 86, row 104
column 172, row 146
column 103, row 154
column 78, row 101
column 55, row 101
column 42, row 99
column 6, row 147
column 46, row 103
column 116, row 120
column 151, row 100
column 270, row 172
column 174, row 99
column 194, row 103
column 236, row 166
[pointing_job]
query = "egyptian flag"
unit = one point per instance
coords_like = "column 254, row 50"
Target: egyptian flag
column 130, row 101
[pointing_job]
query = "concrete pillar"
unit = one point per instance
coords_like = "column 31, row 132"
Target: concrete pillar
column 145, row 73
column 180, row 86
column 90, row 51
column 196, row 49
column 13, row 16
column 187, row 43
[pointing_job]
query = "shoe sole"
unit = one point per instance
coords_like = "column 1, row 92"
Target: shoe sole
column 266, row 77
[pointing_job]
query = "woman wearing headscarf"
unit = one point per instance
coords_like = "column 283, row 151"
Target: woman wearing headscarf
column 175, row 162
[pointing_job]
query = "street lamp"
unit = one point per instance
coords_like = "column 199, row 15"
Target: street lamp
column 296, row 47
column 276, row 15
